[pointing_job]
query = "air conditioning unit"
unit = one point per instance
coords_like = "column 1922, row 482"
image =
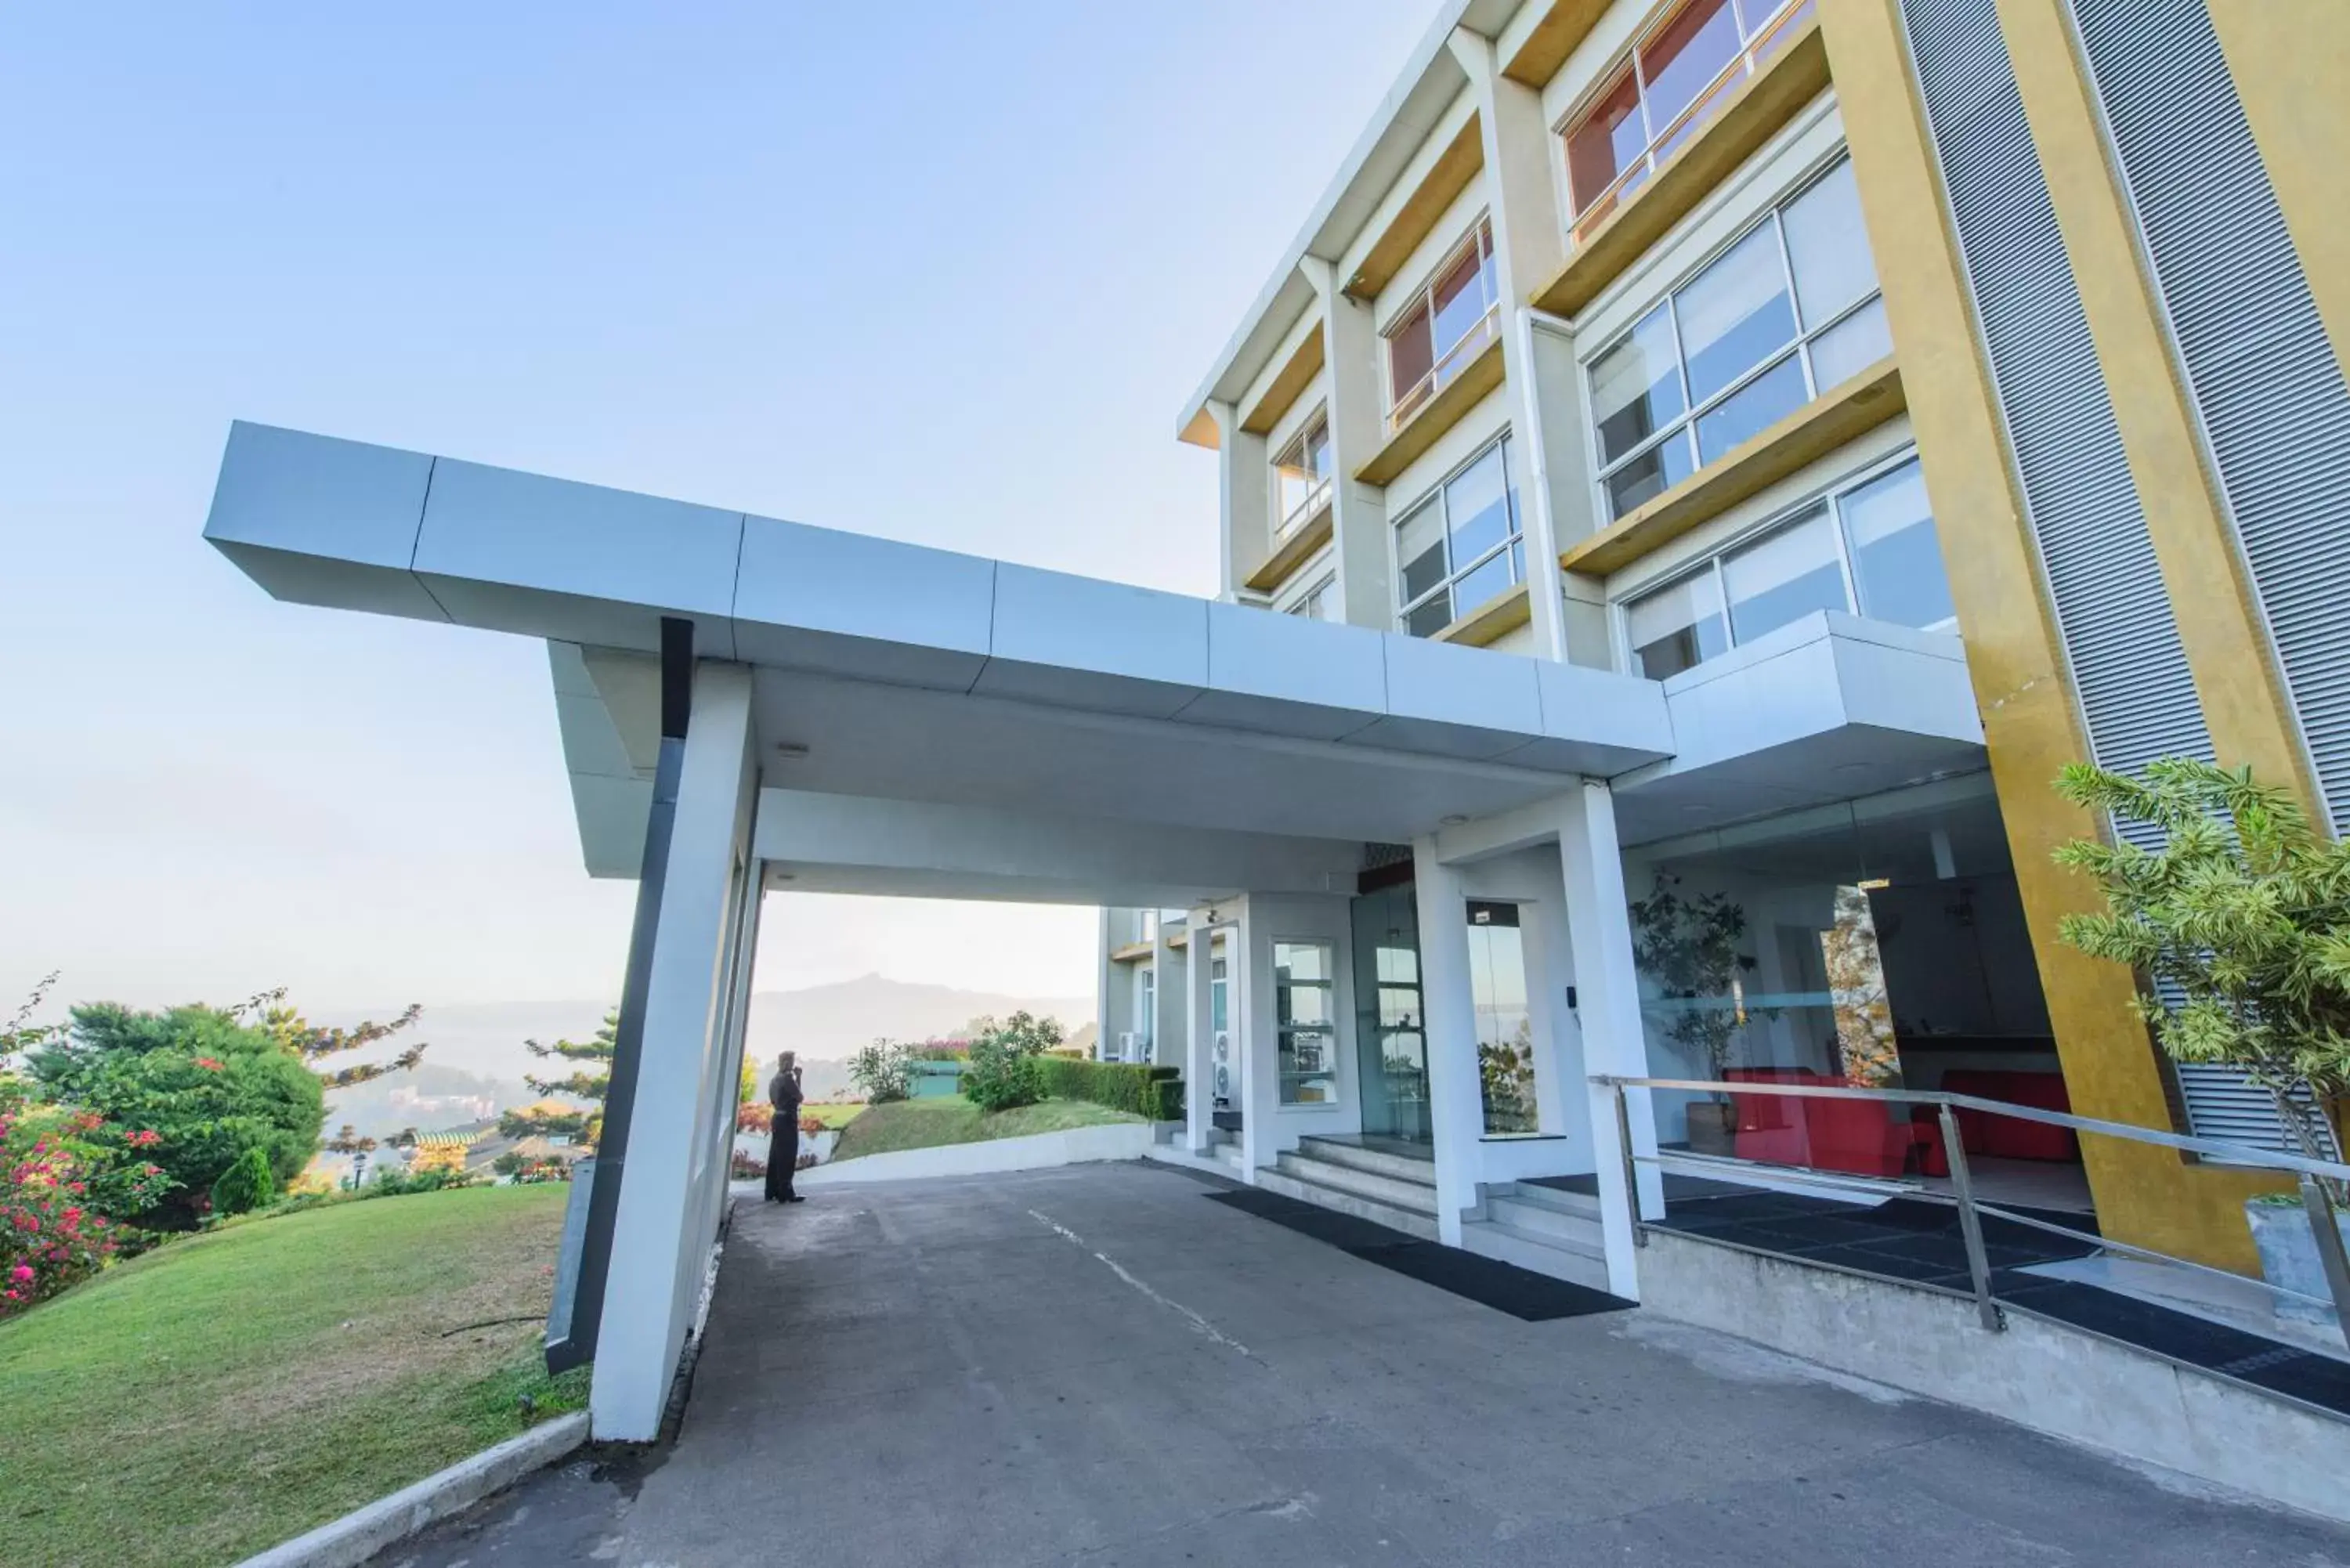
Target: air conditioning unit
column 1129, row 1044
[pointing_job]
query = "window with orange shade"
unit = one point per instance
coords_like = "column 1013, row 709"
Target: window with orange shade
column 1441, row 330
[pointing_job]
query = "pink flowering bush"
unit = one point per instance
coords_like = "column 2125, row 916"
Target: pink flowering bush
column 63, row 1177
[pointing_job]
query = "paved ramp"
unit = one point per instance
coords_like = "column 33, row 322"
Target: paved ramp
column 1098, row 1366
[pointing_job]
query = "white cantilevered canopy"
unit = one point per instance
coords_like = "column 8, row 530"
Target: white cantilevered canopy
column 884, row 671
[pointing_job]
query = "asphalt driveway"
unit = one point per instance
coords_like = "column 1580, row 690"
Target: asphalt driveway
column 1097, row 1365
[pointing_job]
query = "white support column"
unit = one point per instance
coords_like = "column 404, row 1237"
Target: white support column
column 1165, row 998
column 1456, row 1100
column 1244, row 494
column 1102, row 983
column 659, row 1248
column 1199, row 1036
column 1599, row 930
column 1350, row 341
column 1529, row 249
column 1249, row 965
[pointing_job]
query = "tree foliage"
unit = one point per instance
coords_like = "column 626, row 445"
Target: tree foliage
column 591, row 1083
column 314, row 1044
column 2243, row 913
column 192, row 1088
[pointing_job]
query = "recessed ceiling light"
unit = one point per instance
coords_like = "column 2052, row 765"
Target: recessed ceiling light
column 790, row 749
column 1453, row 821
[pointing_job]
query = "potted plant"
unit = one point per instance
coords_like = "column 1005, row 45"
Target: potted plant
column 1688, row 949
column 2243, row 917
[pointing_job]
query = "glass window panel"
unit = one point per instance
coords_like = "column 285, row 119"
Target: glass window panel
column 1651, row 473
column 1827, row 246
column 1497, row 985
column 1475, row 587
column 1408, row 354
column 1420, row 549
column 1896, row 562
column 1785, row 577
column 1461, row 300
column 1607, row 142
column 1307, row 1045
column 1680, row 62
column 1676, row 626
column 1735, row 313
column 1321, row 461
column 1851, row 346
column 1477, row 500
column 1430, row 618
column 1636, row 387
column 1753, row 408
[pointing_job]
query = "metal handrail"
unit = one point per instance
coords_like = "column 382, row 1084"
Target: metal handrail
column 2235, row 1153
column 2317, row 1203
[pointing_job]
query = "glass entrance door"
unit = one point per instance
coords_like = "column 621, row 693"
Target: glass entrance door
column 1389, row 1023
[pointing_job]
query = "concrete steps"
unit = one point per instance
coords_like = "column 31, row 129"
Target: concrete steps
column 1397, row 1191
column 1542, row 1229
column 1421, row 1226
column 1393, row 1190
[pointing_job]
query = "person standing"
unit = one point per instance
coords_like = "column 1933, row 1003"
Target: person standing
column 784, row 1142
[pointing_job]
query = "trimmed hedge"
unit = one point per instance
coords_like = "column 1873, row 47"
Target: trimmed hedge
column 1155, row 1094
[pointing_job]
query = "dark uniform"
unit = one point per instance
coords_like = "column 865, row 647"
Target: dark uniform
column 784, row 1146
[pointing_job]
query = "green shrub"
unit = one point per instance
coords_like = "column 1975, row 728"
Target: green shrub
column 884, row 1071
column 246, row 1184
column 1001, row 1074
column 1153, row 1093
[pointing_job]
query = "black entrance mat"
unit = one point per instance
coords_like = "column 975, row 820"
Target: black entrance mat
column 1504, row 1287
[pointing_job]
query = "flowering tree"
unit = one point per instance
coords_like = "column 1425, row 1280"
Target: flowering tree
column 60, row 1186
column 194, row 1089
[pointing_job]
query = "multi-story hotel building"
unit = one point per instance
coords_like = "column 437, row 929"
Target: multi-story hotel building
column 1684, row 340
column 1696, row 475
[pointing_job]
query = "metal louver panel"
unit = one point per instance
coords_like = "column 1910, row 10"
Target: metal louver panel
column 2121, row 639
column 2264, row 377
column 2136, row 695
column 2263, row 374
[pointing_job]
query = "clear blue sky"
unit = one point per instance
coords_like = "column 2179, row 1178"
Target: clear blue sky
column 945, row 277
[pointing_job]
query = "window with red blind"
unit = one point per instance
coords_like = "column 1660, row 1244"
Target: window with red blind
column 1431, row 339
column 1665, row 89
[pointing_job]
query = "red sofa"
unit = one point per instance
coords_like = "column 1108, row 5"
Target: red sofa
column 1860, row 1137
column 2006, row 1137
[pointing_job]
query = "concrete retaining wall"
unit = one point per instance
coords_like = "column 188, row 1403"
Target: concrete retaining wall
column 2038, row 1373
column 1077, row 1146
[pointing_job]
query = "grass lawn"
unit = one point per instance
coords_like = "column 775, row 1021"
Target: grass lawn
column 224, row 1393
column 951, row 1119
column 833, row 1115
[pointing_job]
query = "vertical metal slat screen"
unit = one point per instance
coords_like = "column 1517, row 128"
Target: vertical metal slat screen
column 2121, row 639
column 2264, row 376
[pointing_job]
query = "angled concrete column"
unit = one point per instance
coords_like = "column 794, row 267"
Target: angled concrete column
column 659, row 1245
column 715, row 1164
column 1599, row 933
column 1199, row 1036
column 1456, row 1098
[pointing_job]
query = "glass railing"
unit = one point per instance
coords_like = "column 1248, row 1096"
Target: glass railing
column 1446, row 369
column 1668, row 140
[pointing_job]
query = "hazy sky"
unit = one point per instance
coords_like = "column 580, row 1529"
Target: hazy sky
column 947, row 277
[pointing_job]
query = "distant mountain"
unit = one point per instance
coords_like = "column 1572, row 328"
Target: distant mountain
column 483, row 1041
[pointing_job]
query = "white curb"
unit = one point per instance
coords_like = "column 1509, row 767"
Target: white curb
column 351, row 1540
